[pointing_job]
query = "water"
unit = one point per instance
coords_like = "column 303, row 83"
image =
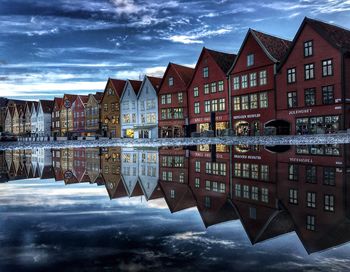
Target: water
column 199, row 207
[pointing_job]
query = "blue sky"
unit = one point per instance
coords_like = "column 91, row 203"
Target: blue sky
column 48, row 48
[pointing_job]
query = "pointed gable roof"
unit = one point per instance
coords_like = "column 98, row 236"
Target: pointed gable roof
column 224, row 60
column 98, row 96
column 155, row 81
column 35, row 106
column 29, row 105
column 47, row 105
column 336, row 36
column 84, row 98
column 59, row 102
column 118, row 85
column 185, row 73
column 136, row 85
column 275, row 48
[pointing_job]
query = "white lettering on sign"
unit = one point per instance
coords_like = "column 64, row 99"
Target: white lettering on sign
column 338, row 163
column 293, row 112
column 300, row 160
column 247, row 157
column 256, row 115
column 207, row 119
column 338, row 107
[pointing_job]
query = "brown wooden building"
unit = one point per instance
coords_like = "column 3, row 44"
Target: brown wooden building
column 56, row 117
column 92, row 114
column 110, row 108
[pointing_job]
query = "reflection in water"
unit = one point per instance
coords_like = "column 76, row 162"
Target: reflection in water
column 303, row 189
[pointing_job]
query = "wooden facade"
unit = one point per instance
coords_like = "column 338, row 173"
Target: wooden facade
column 172, row 101
column 92, row 114
column 110, row 108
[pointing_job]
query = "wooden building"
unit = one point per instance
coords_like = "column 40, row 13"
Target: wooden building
column 92, row 114
column 312, row 85
column 147, row 108
column 129, row 108
column 208, row 92
column 66, row 115
column 110, row 108
column 172, row 101
column 78, row 112
column 56, row 117
column 252, row 78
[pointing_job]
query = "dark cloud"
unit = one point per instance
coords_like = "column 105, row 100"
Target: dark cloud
column 144, row 34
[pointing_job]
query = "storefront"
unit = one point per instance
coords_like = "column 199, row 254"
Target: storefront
column 244, row 128
column 317, row 124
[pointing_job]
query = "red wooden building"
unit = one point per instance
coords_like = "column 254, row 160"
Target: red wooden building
column 208, row 92
column 172, row 101
column 78, row 111
column 252, row 78
column 312, row 88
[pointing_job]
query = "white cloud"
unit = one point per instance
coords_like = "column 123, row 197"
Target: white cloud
column 196, row 36
column 126, row 7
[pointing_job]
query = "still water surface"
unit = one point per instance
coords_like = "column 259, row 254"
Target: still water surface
column 236, row 208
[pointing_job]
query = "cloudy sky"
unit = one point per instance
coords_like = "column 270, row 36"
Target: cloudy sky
column 47, row 226
column 48, row 48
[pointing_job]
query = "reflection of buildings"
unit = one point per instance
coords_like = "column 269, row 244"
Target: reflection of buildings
column 130, row 171
column 255, row 197
column 312, row 186
column 3, row 168
column 209, row 180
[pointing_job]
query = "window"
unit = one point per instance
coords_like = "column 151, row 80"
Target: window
column 310, row 222
column 236, row 83
column 265, row 195
column 207, row 185
column 213, row 87
column 291, row 75
column 293, row 171
column 245, row 170
column 264, row 172
column 207, row 202
column 162, row 99
column 253, row 101
column 250, row 60
column 238, row 192
column 245, row 191
column 214, row 105
column 172, row 193
column 263, row 77
column 293, row 196
column 206, row 88
column 180, row 97
column 292, row 99
column 245, row 102
column 237, row 169
column 311, row 176
column 252, row 213
column 222, row 187
column 309, row 71
column 207, row 106
column 205, row 72
column 255, row 193
column 222, row 104
column 171, row 81
column 329, row 176
column 237, row 103
column 168, row 99
column 329, row 203
column 244, row 80
column 327, row 67
column 196, row 182
column 221, row 86
column 196, row 108
column 311, row 200
column 254, row 168
column 310, row 97
column 197, row 166
column 195, row 91
column 263, row 100
column 328, row 94
column 308, row 50
column 252, row 78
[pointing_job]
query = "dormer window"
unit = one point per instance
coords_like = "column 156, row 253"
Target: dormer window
column 110, row 91
column 205, row 72
column 250, row 60
column 171, row 81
